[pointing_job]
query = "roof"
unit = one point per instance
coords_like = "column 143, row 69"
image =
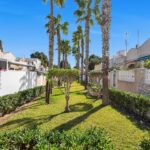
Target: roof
column 16, row 63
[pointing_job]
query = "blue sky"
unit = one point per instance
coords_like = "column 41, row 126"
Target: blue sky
column 22, row 25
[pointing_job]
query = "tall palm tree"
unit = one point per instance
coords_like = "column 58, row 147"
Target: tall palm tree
column 81, row 35
column 51, row 41
column 76, row 47
column 84, row 13
column 78, row 44
column 75, row 54
column 104, row 20
column 65, row 50
column 58, row 28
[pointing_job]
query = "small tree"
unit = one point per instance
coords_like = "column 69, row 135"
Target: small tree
column 66, row 76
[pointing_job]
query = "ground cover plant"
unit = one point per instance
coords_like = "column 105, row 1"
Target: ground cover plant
column 29, row 139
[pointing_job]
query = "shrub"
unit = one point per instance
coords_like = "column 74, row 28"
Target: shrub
column 145, row 144
column 133, row 103
column 9, row 103
column 147, row 64
column 29, row 139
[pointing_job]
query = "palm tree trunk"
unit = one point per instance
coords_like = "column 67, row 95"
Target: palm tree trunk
column 105, row 49
column 87, row 28
column 51, row 36
column 63, row 63
column 51, row 47
column 58, row 42
column 66, row 60
column 78, row 55
column 82, row 58
column 79, row 59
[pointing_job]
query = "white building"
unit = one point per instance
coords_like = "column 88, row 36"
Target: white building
column 134, row 58
column 19, row 74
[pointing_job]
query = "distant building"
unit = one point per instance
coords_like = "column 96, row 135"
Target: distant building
column 134, row 57
column 33, row 62
column 118, row 60
column 8, row 61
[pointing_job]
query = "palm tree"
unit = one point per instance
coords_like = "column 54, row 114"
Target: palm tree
column 78, row 43
column 84, row 13
column 104, row 20
column 51, row 42
column 76, row 47
column 58, row 28
column 80, row 31
column 75, row 54
column 65, row 50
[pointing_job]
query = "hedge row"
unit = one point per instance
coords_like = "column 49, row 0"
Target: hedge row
column 133, row 103
column 33, row 139
column 9, row 103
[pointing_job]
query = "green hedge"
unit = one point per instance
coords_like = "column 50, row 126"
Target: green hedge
column 145, row 144
column 33, row 139
column 133, row 103
column 9, row 103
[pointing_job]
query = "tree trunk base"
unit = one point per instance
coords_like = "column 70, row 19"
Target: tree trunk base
column 47, row 96
column 67, row 110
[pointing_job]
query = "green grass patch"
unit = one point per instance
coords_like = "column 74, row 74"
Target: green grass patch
column 85, row 113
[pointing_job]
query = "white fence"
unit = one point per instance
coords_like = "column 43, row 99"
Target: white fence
column 14, row 81
column 128, row 76
column 136, row 80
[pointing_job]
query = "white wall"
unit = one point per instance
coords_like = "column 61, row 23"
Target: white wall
column 128, row 76
column 147, row 76
column 14, row 81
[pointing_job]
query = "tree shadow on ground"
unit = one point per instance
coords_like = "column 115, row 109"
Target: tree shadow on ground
column 87, row 95
column 76, row 92
column 80, row 107
column 29, row 122
column 72, row 123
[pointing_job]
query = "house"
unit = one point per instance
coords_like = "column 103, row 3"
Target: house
column 33, row 62
column 134, row 58
column 8, row 61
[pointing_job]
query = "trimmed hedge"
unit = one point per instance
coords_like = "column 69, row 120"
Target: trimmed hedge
column 33, row 139
column 133, row 103
column 9, row 103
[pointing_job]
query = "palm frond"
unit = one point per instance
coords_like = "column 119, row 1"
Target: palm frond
column 91, row 22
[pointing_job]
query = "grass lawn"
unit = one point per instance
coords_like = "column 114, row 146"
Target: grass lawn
column 85, row 113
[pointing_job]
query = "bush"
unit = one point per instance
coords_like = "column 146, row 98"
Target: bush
column 30, row 139
column 145, row 144
column 133, row 103
column 9, row 103
column 147, row 64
